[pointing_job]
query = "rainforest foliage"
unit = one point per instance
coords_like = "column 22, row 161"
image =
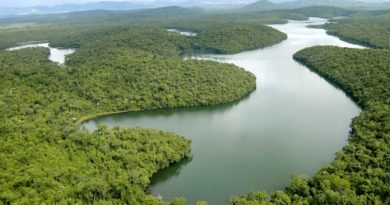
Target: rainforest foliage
column 47, row 159
column 361, row 171
column 364, row 74
column 127, row 61
column 227, row 37
column 373, row 31
column 213, row 36
column 223, row 35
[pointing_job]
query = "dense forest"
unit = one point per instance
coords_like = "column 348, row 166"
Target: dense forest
column 372, row 31
column 76, row 29
column 42, row 103
column 360, row 173
column 226, row 37
column 47, row 158
column 122, row 65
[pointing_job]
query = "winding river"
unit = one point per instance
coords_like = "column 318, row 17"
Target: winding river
column 293, row 123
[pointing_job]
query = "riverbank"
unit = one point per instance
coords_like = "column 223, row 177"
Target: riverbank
column 359, row 173
column 286, row 105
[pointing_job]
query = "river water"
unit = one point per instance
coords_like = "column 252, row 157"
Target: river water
column 293, row 123
column 182, row 32
column 57, row 55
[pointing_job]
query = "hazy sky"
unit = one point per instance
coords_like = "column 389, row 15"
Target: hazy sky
column 24, row 3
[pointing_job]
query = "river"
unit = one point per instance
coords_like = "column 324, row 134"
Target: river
column 293, row 123
column 57, row 55
column 182, row 32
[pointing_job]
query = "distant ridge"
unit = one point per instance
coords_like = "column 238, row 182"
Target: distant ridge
column 262, row 5
column 95, row 15
column 165, row 12
column 66, row 8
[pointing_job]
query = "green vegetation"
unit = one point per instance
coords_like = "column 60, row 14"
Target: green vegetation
column 360, row 172
column 280, row 16
column 78, row 28
column 298, row 4
column 301, row 13
column 243, row 36
column 117, row 67
column 46, row 159
column 122, row 65
column 323, row 11
column 370, row 31
column 96, row 16
column 228, row 37
column 362, row 74
column 219, row 36
column 246, row 32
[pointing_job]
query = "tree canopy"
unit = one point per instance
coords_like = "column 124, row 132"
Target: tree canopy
column 372, row 31
column 47, row 158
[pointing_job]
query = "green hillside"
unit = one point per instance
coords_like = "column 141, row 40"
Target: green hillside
column 372, row 31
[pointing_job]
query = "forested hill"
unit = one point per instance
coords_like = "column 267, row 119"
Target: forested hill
column 363, row 74
column 228, row 37
column 261, row 5
column 373, row 31
column 360, row 173
column 214, row 36
column 170, row 12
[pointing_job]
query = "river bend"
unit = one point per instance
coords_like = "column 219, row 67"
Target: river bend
column 293, row 123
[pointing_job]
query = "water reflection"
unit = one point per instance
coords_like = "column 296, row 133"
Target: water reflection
column 292, row 123
column 170, row 172
column 165, row 113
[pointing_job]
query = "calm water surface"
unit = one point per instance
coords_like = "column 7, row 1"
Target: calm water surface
column 183, row 32
column 57, row 55
column 293, row 123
